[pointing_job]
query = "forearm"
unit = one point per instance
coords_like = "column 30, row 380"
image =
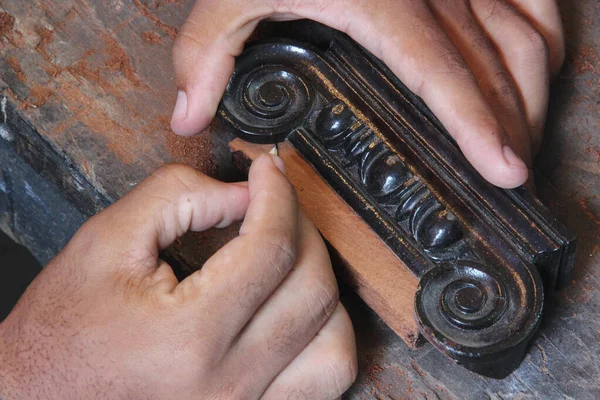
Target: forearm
column 22, row 366
column 7, row 383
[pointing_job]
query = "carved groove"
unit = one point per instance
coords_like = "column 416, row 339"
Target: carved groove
column 385, row 177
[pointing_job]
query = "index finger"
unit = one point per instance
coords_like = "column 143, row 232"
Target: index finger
column 243, row 274
column 173, row 200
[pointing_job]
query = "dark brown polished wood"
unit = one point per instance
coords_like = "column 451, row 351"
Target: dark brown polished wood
column 478, row 250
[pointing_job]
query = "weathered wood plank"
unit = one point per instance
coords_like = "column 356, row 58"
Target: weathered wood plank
column 85, row 74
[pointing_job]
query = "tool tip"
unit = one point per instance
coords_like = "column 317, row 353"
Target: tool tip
column 275, row 150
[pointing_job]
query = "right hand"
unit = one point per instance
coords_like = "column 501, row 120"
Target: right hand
column 482, row 66
column 106, row 319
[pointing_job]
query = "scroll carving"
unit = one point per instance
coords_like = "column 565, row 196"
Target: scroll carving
column 480, row 252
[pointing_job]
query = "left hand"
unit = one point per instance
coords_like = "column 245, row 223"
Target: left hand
column 482, row 66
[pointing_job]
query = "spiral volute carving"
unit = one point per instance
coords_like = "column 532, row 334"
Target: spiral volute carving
column 474, row 311
column 267, row 102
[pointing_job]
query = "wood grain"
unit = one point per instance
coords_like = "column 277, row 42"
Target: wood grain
column 87, row 77
column 369, row 266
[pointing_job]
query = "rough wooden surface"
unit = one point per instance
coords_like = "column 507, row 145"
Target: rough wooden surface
column 90, row 85
column 369, row 266
column 95, row 79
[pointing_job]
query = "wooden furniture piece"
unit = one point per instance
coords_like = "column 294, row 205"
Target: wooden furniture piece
column 88, row 89
column 480, row 252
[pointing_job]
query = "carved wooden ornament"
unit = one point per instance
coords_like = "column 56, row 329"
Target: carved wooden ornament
column 481, row 252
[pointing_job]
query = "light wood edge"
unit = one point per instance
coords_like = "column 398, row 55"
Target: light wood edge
column 381, row 279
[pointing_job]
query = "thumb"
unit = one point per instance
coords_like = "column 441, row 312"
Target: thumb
column 204, row 56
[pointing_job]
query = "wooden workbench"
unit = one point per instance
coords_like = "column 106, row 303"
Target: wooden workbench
column 87, row 90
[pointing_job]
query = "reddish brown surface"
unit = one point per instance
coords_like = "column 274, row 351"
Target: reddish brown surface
column 7, row 23
column 118, row 61
column 586, row 60
column 192, row 151
column 584, row 203
column 16, row 67
column 46, row 36
column 96, row 87
column 169, row 30
column 151, row 37
column 39, row 95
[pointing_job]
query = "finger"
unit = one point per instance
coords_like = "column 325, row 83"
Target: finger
column 525, row 55
column 173, row 200
column 545, row 16
column 403, row 34
column 204, row 56
column 492, row 76
column 291, row 317
column 325, row 369
column 427, row 61
column 240, row 276
column 406, row 36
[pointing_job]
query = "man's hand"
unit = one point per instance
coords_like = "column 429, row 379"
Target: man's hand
column 482, row 66
column 107, row 319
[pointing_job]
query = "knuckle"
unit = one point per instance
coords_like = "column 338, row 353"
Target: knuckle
column 286, row 6
column 92, row 233
column 184, row 174
column 286, row 335
column 188, row 38
column 174, row 169
column 322, row 301
column 487, row 129
column 428, row 31
column 90, row 228
column 180, row 48
column 456, row 64
column 230, row 390
column 501, row 86
column 497, row 9
column 461, row 6
column 448, row 63
column 283, row 189
column 280, row 189
column 533, row 44
column 279, row 248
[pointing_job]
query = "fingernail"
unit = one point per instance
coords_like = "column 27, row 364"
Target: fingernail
column 180, row 110
column 512, row 158
column 278, row 163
